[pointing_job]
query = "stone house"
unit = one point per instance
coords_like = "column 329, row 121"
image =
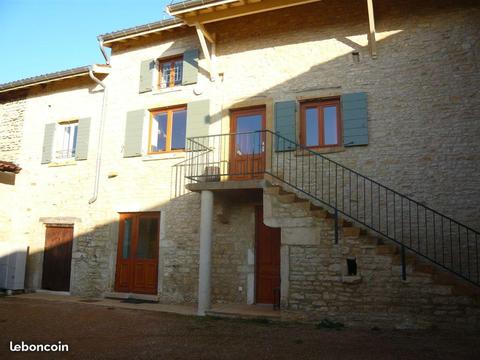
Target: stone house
column 316, row 155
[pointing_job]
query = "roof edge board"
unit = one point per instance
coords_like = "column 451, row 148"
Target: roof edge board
column 126, row 37
column 198, row 7
column 98, row 69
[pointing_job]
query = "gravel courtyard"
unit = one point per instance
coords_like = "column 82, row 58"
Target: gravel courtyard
column 97, row 332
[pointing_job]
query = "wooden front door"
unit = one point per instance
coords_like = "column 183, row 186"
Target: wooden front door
column 137, row 254
column 247, row 144
column 267, row 260
column 57, row 257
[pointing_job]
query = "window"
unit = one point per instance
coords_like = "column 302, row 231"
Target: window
column 170, row 71
column 168, row 129
column 320, row 123
column 66, row 140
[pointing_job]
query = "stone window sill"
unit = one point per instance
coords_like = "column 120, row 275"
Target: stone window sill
column 165, row 156
column 62, row 163
column 167, row 90
column 323, row 150
column 351, row 279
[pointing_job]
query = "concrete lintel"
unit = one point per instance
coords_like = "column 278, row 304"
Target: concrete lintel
column 226, row 185
column 64, row 220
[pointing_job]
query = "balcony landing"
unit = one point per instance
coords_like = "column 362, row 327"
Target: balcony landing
column 227, row 185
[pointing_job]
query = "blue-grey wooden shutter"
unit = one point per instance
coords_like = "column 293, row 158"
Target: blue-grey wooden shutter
column 198, row 118
column 83, row 137
column 354, row 114
column 146, row 75
column 190, row 67
column 48, row 137
column 285, row 125
column 134, row 133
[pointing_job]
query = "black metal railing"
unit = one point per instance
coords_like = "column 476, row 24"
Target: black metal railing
column 396, row 217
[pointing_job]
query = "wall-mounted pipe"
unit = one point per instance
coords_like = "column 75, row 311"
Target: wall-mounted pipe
column 103, row 50
column 100, row 135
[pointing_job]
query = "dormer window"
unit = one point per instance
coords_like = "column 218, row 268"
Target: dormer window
column 170, row 72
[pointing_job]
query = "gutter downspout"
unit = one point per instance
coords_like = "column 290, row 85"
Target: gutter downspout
column 102, row 49
column 100, row 135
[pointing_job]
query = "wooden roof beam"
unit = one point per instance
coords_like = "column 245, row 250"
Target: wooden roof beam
column 371, row 35
column 243, row 10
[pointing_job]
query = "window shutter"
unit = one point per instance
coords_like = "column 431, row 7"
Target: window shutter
column 134, row 133
column 198, row 118
column 285, row 124
column 48, row 137
column 146, row 75
column 190, row 67
column 83, row 137
column 354, row 113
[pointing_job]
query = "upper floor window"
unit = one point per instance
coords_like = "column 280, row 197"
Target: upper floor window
column 66, row 135
column 170, row 71
column 320, row 123
column 168, row 130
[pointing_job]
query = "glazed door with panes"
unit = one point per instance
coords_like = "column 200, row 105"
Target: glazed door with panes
column 247, row 144
column 137, row 255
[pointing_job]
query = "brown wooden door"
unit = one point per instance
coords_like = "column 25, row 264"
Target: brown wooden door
column 57, row 258
column 137, row 255
column 267, row 260
column 247, row 144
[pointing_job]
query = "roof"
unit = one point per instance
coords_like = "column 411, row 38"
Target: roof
column 141, row 29
column 9, row 167
column 59, row 75
column 187, row 4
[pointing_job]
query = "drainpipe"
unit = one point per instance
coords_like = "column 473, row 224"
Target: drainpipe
column 100, row 135
column 103, row 50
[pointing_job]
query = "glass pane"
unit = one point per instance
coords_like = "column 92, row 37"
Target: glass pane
column 147, row 238
column 179, row 129
column 178, row 71
column 330, row 125
column 127, row 238
column 311, row 127
column 158, row 140
column 165, row 75
column 249, row 143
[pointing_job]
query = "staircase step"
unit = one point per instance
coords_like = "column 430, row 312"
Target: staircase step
column 272, row 190
column 386, row 249
column 409, row 259
column 351, row 231
column 302, row 204
column 369, row 240
column 286, row 198
column 425, row 268
column 321, row 214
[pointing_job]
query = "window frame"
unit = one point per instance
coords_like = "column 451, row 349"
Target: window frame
column 171, row 60
column 320, row 104
column 59, row 134
column 168, row 142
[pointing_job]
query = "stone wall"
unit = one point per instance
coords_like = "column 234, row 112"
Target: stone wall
column 11, row 126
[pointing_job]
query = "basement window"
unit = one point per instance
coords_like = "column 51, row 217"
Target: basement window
column 170, row 72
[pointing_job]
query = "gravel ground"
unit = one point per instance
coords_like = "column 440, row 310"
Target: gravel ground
column 96, row 332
